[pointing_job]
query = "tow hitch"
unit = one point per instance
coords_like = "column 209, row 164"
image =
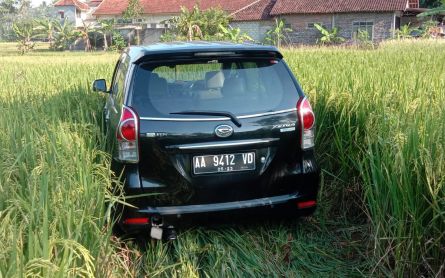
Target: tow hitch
column 159, row 232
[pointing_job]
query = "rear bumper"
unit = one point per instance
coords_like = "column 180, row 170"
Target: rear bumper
column 275, row 196
column 207, row 208
column 218, row 213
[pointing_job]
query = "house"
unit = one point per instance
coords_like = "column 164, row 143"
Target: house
column 251, row 15
column 380, row 18
column 76, row 11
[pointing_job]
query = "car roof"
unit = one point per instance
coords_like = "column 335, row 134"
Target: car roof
column 141, row 52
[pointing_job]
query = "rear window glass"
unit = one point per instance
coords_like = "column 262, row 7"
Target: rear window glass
column 242, row 87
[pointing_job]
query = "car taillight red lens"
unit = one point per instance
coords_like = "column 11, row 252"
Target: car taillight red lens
column 127, row 136
column 307, row 123
column 137, row 221
column 306, row 204
column 128, row 130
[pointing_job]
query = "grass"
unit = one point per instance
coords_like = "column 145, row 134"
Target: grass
column 381, row 144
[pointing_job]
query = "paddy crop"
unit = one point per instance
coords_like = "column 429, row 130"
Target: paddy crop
column 380, row 140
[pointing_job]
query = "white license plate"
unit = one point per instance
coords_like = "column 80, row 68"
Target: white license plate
column 224, row 163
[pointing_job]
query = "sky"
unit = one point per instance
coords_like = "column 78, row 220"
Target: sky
column 36, row 3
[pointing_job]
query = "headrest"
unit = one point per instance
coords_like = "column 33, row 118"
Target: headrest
column 157, row 86
column 234, row 87
column 214, row 79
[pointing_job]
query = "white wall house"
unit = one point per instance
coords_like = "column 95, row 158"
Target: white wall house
column 75, row 12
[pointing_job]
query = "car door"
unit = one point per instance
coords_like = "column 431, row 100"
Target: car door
column 115, row 100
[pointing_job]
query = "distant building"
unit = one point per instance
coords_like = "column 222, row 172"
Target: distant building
column 76, row 11
column 380, row 18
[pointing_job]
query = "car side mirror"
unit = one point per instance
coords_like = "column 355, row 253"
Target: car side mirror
column 100, row 85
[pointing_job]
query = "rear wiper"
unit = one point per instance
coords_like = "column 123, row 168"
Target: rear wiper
column 210, row 113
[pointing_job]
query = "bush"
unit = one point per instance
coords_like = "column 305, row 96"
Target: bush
column 118, row 41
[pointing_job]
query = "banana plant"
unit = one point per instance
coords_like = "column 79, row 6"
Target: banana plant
column 329, row 36
column 234, row 34
column 45, row 29
column 25, row 33
column 65, row 34
column 405, row 31
column 106, row 27
column 276, row 35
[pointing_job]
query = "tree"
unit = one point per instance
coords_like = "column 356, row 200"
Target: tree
column 25, row 32
column 430, row 3
column 434, row 11
column 188, row 23
column 8, row 14
column 196, row 24
column 45, row 27
column 85, row 34
column 8, row 7
column 329, row 36
column 277, row 34
column 234, row 34
column 107, row 27
column 134, row 11
column 211, row 20
column 65, row 34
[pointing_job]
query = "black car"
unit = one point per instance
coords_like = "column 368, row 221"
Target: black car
column 203, row 129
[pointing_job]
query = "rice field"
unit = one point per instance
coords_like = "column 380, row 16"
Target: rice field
column 380, row 141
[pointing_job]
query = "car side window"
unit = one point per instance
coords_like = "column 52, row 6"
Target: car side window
column 118, row 84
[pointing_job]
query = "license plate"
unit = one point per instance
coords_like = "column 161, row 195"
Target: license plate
column 224, row 163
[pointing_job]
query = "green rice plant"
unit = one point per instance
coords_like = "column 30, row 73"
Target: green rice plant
column 380, row 142
column 381, row 125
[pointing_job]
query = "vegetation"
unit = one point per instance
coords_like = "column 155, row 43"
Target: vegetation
column 133, row 12
column 329, row 37
column 197, row 24
column 234, row 34
column 439, row 9
column 24, row 32
column 405, row 32
column 45, row 29
column 118, row 42
column 278, row 33
column 364, row 40
column 106, row 28
column 380, row 140
column 84, row 33
column 65, row 35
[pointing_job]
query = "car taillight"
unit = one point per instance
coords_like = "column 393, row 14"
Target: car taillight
column 127, row 136
column 307, row 123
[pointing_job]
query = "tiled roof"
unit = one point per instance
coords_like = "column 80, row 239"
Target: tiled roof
column 245, row 10
column 114, row 7
column 77, row 3
column 336, row 6
column 258, row 10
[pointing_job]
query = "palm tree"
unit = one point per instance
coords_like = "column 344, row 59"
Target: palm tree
column 46, row 29
column 107, row 26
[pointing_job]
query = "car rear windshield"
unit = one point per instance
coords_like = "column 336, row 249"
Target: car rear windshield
column 241, row 87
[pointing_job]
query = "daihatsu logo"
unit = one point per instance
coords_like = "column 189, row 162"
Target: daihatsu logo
column 223, row 131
